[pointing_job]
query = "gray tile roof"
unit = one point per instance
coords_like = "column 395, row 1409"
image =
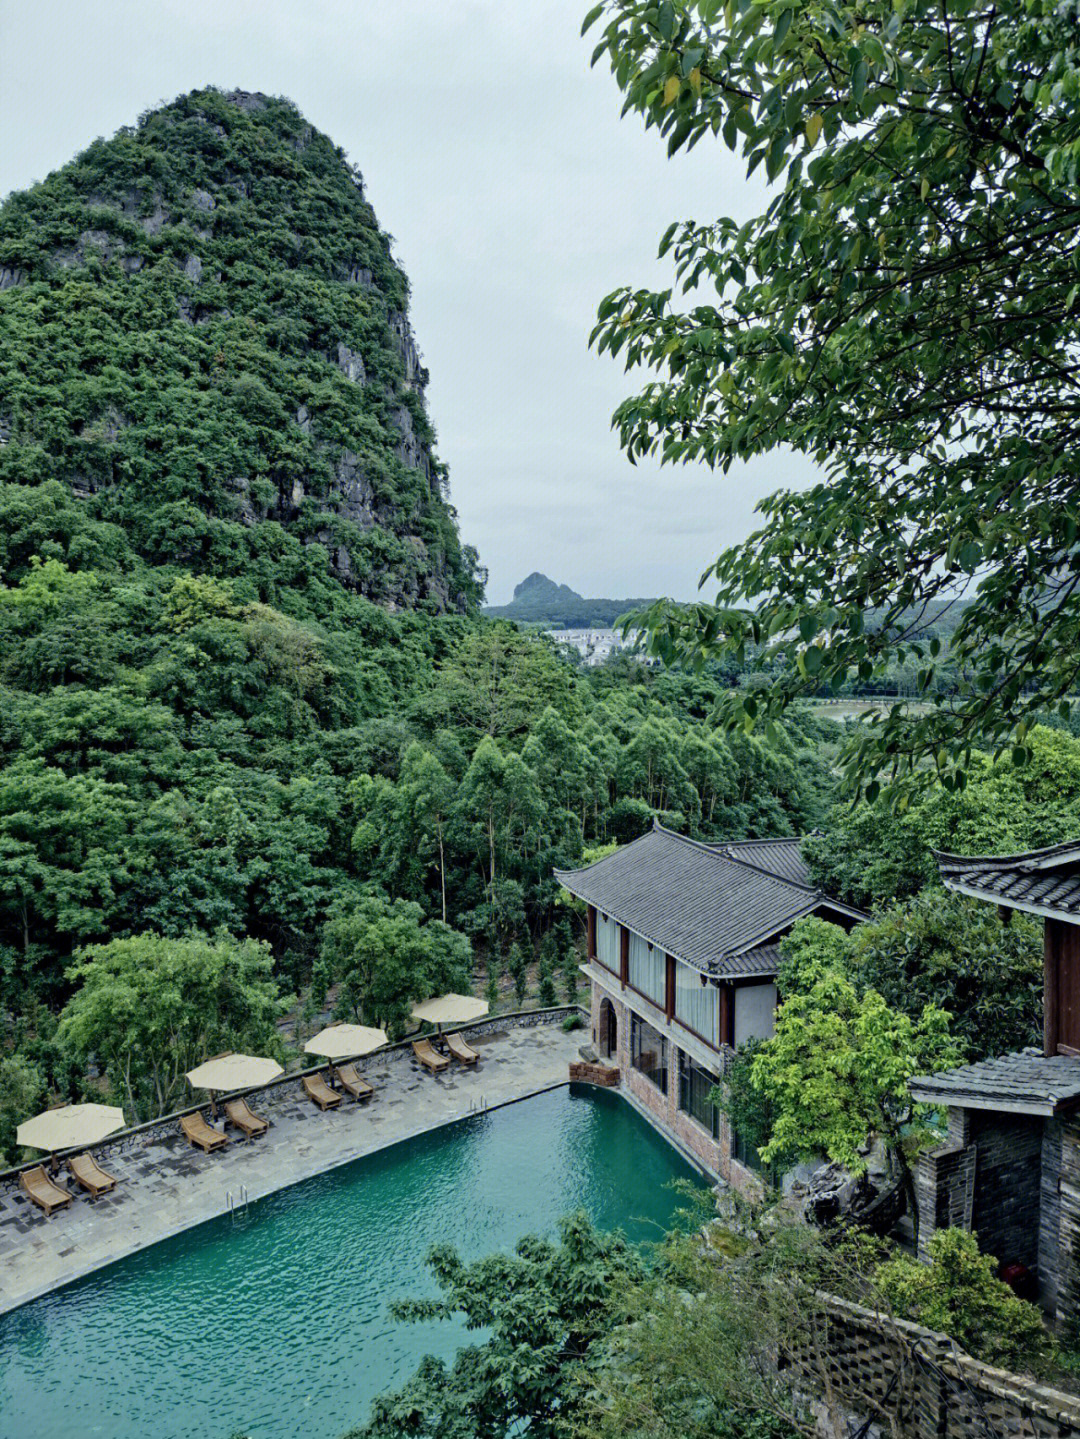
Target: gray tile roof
column 697, row 902
column 1040, row 880
column 782, row 857
column 763, row 960
column 1023, row 1083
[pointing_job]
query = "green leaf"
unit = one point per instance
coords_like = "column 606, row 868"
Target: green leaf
column 591, row 18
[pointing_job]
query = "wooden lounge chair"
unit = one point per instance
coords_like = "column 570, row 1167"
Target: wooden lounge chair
column 350, row 1080
column 40, row 1190
column 87, row 1172
column 201, row 1134
column 455, row 1043
column 428, row 1057
column 316, row 1088
column 238, row 1112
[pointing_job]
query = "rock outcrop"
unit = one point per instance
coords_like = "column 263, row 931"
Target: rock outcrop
column 237, row 268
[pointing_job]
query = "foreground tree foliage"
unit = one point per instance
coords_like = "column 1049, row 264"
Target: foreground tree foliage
column 905, row 311
column 147, row 1009
column 545, row 1305
column 959, row 1293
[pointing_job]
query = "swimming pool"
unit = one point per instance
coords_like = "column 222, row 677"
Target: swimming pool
column 275, row 1325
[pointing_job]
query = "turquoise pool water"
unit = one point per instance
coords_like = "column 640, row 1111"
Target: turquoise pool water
column 275, row 1326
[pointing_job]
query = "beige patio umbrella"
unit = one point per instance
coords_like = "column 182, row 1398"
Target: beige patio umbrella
column 345, row 1041
column 449, row 1009
column 232, row 1071
column 69, row 1127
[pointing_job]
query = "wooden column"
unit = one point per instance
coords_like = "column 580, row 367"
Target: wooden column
column 727, row 1015
column 669, row 987
column 1050, row 988
column 624, row 955
column 1061, row 988
column 591, row 927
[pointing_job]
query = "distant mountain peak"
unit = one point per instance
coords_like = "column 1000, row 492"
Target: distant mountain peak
column 537, row 586
column 539, row 600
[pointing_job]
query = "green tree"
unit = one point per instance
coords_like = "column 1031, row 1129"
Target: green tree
column 384, row 958
column 544, row 1308
column 149, row 1008
column 836, row 1073
column 518, row 968
column 946, row 950
column 904, row 312
column 22, row 1094
column 547, row 993
column 872, row 855
column 491, row 992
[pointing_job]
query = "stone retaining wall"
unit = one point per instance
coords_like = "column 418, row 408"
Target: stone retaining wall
column 913, row 1382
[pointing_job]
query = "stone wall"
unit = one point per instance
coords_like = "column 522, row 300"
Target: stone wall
column 1059, row 1220
column 911, row 1381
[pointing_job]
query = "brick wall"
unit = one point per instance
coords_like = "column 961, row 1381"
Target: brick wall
column 1007, row 1177
column 992, row 1166
column 713, row 1155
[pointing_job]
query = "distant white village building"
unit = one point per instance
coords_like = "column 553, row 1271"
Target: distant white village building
column 596, row 645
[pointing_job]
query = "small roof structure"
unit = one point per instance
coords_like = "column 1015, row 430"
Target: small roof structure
column 345, row 1041
column 1025, row 1083
column 449, row 1009
column 1040, row 881
column 715, row 907
column 70, row 1126
column 233, row 1071
column 781, row 857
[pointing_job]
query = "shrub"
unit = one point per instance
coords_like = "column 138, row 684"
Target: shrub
column 959, row 1294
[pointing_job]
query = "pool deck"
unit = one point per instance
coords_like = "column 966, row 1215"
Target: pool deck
column 168, row 1186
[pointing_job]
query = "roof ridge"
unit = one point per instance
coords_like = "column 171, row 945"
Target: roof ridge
column 1019, row 859
column 719, row 851
column 584, row 869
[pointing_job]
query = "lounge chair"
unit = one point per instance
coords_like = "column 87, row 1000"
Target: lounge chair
column 87, row 1172
column 316, row 1088
column 40, row 1190
column 201, row 1134
column 350, row 1080
column 428, row 1057
column 238, row 1112
column 455, row 1043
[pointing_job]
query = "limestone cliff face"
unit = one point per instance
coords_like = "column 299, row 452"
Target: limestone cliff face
column 204, row 334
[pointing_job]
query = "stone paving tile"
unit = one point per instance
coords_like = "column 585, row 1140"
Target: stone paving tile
column 167, row 1187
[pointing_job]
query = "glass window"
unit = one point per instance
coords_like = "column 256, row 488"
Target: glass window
column 746, row 1154
column 647, row 969
column 648, row 1052
column 695, row 1086
column 696, row 1004
column 607, row 942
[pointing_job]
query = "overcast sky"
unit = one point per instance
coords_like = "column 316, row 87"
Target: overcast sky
column 517, row 199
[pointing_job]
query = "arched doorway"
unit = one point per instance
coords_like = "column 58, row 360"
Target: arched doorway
column 608, row 1038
